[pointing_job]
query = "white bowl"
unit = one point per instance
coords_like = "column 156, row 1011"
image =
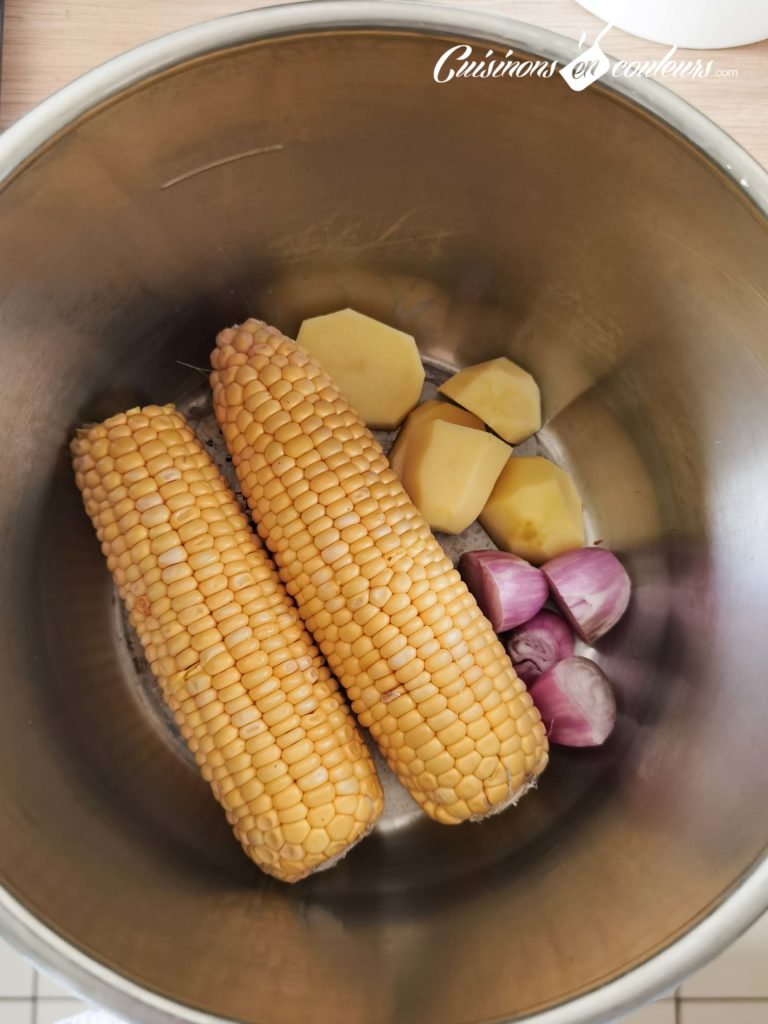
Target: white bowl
column 698, row 24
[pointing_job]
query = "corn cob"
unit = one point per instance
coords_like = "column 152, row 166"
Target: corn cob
column 253, row 699
column 422, row 667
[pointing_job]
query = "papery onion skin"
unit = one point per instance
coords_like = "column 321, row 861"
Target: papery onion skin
column 591, row 588
column 538, row 645
column 508, row 589
column 576, row 703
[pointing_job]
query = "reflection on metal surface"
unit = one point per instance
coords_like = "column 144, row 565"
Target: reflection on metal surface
column 576, row 232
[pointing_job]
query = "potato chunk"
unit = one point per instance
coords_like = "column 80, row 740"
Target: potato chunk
column 534, row 510
column 502, row 394
column 425, row 413
column 375, row 367
column 450, row 472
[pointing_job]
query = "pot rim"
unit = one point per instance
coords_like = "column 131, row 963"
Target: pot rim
column 23, row 141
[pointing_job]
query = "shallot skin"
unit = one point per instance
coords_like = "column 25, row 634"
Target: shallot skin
column 576, row 703
column 591, row 588
column 539, row 644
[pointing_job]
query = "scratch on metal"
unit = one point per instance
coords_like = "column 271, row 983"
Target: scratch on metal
column 220, row 163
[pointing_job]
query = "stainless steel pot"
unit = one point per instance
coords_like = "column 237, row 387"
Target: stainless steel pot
column 291, row 161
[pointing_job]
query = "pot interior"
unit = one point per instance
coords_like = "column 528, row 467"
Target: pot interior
column 569, row 231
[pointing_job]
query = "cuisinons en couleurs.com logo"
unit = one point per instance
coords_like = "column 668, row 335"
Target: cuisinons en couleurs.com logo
column 588, row 66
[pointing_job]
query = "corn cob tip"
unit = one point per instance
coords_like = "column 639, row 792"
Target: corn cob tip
column 227, row 334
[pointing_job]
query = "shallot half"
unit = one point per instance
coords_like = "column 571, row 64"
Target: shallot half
column 539, row 644
column 507, row 589
column 576, row 703
column 591, row 587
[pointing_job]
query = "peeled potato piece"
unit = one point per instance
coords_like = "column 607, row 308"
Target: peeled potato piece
column 376, row 368
column 450, row 472
column 425, row 413
column 534, row 510
column 502, row 394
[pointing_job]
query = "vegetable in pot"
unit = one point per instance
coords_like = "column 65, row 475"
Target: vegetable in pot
column 507, row 589
column 538, row 645
column 182, row 554
column 576, row 703
column 376, row 368
column 592, row 589
column 388, row 610
column 502, row 394
column 421, row 415
column 450, row 471
column 534, row 510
